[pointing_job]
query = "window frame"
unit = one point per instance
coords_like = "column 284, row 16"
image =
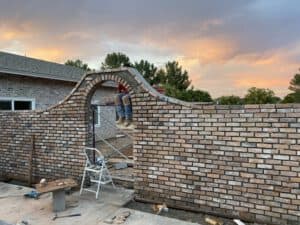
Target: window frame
column 13, row 99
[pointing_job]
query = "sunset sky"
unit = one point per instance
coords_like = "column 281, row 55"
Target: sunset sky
column 226, row 46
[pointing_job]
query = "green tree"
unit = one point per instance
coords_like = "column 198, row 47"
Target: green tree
column 161, row 76
column 229, row 100
column 189, row 95
column 295, row 83
column 78, row 63
column 175, row 76
column 293, row 97
column 289, row 98
column 115, row 60
column 148, row 70
column 192, row 95
column 260, row 96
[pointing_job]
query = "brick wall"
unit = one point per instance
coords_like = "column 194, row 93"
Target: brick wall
column 241, row 161
column 61, row 132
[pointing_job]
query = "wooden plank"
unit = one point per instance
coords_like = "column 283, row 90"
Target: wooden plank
column 56, row 185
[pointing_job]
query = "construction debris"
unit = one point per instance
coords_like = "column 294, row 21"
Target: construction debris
column 158, row 208
column 23, row 222
column 70, row 215
column 118, row 219
column 43, row 182
column 108, row 221
column 213, row 221
column 238, row 222
column 33, row 194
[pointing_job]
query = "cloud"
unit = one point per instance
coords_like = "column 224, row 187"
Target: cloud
column 225, row 45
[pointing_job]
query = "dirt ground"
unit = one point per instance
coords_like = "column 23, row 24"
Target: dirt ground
column 181, row 214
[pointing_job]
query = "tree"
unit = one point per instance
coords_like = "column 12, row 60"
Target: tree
column 78, row 63
column 175, row 76
column 229, row 100
column 172, row 77
column 148, row 70
column 289, row 98
column 115, row 60
column 293, row 97
column 295, row 83
column 260, row 96
column 189, row 95
column 192, row 95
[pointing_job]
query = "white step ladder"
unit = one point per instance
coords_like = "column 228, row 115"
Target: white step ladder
column 97, row 170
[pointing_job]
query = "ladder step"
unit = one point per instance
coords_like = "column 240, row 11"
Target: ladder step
column 92, row 170
column 90, row 190
column 101, row 182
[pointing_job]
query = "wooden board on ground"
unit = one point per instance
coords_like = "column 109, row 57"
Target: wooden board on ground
column 56, row 185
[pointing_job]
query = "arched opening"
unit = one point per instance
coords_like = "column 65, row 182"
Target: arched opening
column 115, row 141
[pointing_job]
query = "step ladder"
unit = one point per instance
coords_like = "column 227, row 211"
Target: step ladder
column 120, row 131
column 98, row 171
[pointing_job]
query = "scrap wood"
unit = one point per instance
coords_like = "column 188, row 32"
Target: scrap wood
column 212, row 221
column 119, row 219
column 56, row 185
column 158, row 208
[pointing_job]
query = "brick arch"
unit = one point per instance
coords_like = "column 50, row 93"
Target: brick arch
column 98, row 80
column 129, row 77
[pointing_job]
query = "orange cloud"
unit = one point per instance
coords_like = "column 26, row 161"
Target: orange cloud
column 210, row 50
column 9, row 35
column 50, row 53
column 248, row 80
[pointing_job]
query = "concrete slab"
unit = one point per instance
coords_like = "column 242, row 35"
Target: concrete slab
column 138, row 218
column 15, row 208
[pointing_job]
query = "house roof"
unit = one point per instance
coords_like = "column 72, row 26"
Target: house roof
column 25, row 66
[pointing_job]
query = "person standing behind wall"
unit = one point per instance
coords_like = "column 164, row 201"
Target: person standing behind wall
column 123, row 106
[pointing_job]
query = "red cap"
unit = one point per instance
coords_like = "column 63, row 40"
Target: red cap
column 122, row 89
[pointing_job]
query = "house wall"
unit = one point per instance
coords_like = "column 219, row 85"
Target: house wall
column 107, row 128
column 45, row 92
column 49, row 92
column 239, row 161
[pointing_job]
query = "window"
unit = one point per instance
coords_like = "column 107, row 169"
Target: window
column 97, row 112
column 13, row 104
column 5, row 105
column 23, row 105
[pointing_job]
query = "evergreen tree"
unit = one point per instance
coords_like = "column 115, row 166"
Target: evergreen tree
column 148, row 70
column 115, row 60
column 78, row 63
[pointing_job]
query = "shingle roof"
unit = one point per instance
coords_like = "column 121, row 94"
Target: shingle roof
column 22, row 65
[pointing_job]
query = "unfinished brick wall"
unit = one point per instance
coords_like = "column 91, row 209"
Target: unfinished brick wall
column 241, row 161
column 61, row 132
